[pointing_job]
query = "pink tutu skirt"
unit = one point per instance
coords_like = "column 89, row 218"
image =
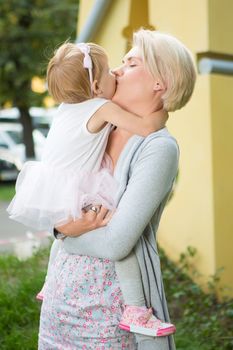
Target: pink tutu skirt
column 49, row 196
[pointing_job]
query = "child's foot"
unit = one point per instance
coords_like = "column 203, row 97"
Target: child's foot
column 40, row 295
column 139, row 319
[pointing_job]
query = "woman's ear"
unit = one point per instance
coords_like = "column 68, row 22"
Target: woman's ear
column 158, row 86
column 95, row 88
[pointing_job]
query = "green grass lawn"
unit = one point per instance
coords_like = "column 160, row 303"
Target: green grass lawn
column 7, row 191
column 20, row 281
column 202, row 322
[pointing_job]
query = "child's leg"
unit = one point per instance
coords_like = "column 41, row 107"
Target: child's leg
column 137, row 318
column 129, row 275
column 53, row 253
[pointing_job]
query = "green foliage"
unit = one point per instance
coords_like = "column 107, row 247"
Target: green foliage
column 203, row 323
column 198, row 315
column 29, row 32
column 20, row 281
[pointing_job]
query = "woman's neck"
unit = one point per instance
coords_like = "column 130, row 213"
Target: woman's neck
column 142, row 108
column 116, row 142
column 123, row 134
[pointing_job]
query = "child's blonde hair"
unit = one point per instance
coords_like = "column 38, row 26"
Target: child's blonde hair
column 170, row 61
column 68, row 80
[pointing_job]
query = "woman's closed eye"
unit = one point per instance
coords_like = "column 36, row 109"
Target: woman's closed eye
column 132, row 63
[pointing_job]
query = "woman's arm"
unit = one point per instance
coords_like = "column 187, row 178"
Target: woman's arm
column 151, row 179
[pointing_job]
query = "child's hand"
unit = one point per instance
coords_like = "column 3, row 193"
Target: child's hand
column 92, row 218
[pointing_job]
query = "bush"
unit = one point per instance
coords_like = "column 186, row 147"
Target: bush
column 200, row 318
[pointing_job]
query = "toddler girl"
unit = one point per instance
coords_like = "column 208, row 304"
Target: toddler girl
column 74, row 171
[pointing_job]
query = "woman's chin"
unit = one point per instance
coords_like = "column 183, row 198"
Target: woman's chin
column 114, row 97
column 119, row 101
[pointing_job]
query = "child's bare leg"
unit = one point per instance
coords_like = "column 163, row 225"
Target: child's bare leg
column 130, row 279
column 137, row 318
column 53, row 253
column 52, row 256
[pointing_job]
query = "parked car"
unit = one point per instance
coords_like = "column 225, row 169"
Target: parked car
column 41, row 117
column 11, row 138
column 10, row 165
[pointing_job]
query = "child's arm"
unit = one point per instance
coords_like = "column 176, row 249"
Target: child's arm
column 112, row 113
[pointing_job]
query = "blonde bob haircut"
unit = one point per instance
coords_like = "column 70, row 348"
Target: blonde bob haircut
column 68, row 81
column 168, row 60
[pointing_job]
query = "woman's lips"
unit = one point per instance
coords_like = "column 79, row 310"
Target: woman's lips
column 116, row 85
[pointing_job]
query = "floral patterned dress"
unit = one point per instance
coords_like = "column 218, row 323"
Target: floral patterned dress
column 82, row 306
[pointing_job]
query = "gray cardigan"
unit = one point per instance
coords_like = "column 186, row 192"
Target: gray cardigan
column 145, row 171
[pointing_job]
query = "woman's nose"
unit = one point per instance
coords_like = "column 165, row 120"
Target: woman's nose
column 118, row 71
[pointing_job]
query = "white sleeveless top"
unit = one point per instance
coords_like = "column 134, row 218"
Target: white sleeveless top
column 69, row 144
column 54, row 190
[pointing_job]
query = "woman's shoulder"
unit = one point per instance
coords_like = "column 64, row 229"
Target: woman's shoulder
column 158, row 144
column 158, row 147
column 161, row 139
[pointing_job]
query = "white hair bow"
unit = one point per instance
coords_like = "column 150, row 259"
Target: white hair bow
column 87, row 61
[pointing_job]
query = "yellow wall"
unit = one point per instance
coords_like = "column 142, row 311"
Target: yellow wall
column 109, row 34
column 221, row 29
column 200, row 213
column 222, row 149
column 220, row 26
column 189, row 218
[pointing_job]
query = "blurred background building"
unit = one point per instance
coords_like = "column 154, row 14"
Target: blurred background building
column 200, row 213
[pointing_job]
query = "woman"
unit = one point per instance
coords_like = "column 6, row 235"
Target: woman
column 83, row 302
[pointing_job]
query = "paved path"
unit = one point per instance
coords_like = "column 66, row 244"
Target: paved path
column 17, row 238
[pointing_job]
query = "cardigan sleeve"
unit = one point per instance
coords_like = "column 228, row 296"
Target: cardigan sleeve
column 150, row 181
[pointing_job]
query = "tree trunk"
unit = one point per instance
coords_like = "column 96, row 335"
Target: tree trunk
column 26, row 122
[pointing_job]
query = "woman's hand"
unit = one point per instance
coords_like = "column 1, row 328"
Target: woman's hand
column 92, row 218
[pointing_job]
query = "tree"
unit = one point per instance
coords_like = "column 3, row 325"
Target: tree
column 29, row 32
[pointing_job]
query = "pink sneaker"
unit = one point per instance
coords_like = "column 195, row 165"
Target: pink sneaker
column 139, row 319
column 40, row 295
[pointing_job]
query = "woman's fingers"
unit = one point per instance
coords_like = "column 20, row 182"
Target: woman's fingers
column 93, row 217
column 104, row 217
column 102, row 213
column 97, row 215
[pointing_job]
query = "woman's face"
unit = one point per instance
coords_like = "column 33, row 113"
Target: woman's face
column 135, row 84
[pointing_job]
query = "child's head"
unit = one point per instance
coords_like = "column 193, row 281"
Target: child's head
column 68, row 79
